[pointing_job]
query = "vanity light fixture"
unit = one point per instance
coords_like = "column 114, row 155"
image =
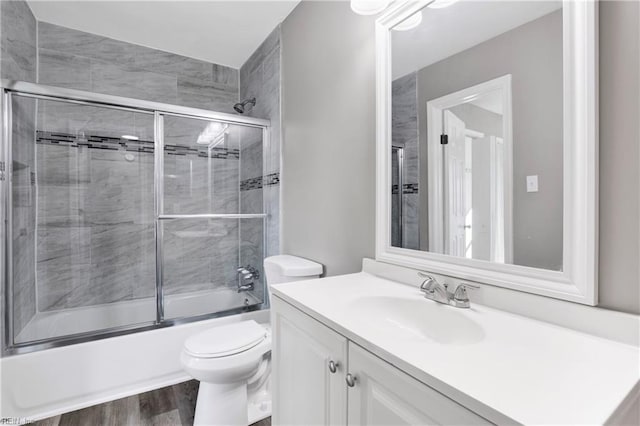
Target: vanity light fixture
column 441, row 4
column 373, row 7
column 369, row 7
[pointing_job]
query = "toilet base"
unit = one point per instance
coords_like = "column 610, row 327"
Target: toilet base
column 230, row 405
column 221, row 405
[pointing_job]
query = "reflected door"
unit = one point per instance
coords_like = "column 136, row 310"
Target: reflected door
column 457, row 203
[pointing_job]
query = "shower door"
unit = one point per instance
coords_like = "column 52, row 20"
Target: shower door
column 208, row 227
column 82, row 218
column 122, row 217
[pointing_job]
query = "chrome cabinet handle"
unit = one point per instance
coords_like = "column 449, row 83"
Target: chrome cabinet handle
column 333, row 366
column 351, row 380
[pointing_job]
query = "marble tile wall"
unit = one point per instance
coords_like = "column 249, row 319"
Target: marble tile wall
column 404, row 133
column 252, row 201
column 84, row 61
column 260, row 78
column 96, row 215
column 96, row 220
column 18, row 62
column 199, row 254
column 17, row 41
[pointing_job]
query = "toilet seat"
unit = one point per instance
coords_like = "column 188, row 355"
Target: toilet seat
column 225, row 340
column 209, row 358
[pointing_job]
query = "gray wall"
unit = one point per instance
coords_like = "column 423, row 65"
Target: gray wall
column 619, row 155
column 532, row 54
column 328, row 151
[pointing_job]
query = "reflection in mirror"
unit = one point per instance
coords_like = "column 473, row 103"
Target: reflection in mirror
column 477, row 131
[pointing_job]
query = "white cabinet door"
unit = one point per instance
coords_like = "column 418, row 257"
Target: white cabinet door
column 384, row 395
column 305, row 391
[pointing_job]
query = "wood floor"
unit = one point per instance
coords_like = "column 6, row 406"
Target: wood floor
column 170, row 406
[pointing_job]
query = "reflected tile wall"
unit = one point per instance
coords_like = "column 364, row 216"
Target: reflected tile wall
column 404, row 133
column 260, row 78
column 84, row 61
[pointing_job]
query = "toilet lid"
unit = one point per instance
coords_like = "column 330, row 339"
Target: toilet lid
column 225, row 340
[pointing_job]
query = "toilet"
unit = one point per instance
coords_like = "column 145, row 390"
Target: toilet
column 233, row 361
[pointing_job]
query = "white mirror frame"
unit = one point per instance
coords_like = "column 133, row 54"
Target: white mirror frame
column 578, row 280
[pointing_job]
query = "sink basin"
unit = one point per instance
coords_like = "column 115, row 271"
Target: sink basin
column 418, row 318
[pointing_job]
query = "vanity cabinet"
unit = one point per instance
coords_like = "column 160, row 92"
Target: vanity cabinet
column 306, row 389
column 362, row 389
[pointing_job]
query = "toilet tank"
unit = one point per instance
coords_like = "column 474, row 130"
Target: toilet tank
column 285, row 268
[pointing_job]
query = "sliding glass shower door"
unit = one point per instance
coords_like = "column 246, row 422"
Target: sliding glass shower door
column 121, row 217
column 203, row 219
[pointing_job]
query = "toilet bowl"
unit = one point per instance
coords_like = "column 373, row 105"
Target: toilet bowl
column 233, row 361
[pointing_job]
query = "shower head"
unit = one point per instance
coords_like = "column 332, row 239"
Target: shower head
column 242, row 107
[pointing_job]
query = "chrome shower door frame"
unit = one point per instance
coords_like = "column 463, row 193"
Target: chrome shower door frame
column 38, row 91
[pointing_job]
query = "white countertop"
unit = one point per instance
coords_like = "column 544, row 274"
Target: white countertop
column 519, row 369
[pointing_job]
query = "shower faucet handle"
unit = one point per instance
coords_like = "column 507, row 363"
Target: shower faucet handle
column 249, row 273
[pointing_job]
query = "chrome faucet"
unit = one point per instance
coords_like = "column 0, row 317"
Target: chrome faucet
column 248, row 274
column 440, row 293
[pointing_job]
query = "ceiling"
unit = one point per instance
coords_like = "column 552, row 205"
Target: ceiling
column 223, row 32
column 447, row 31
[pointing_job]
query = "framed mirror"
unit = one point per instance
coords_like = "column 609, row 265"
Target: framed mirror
column 487, row 163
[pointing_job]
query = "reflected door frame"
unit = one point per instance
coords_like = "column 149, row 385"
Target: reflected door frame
column 436, row 160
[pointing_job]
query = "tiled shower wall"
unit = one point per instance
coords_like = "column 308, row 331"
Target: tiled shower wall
column 83, row 61
column 18, row 62
column 260, row 78
column 404, row 133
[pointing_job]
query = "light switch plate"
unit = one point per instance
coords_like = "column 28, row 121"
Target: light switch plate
column 532, row 183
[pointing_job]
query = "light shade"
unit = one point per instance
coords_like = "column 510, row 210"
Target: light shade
column 440, row 4
column 410, row 23
column 369, row 7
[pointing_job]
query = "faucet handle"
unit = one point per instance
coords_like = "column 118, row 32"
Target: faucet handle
column 461, row 291
column 428, row 279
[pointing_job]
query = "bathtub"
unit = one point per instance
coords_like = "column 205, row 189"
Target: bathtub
column 64, row 322
column 46, row 383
